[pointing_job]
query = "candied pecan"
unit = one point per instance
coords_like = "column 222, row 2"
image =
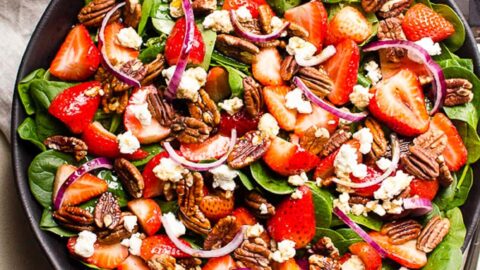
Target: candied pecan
column 259, row 205
column 93, row 13
column 459, row 91
column 107, row 211
column 358, row 200
column 74, row 218
column 272, row 43
column 319, row 262
column 401, row 231
column 204, row 109
column 393, row 8
column 189, row 130
column 338, row 138
column 222, row 233
column 297, row 30
column 160, row 109
column 433, row 233
column 317, row 80
column 248, row 149
column 67, row 145
column 252, row 26
column 190, row 263
column 404, row 144
column 253, row 253
column 433, row 140
column 117, row 234
column 324, row 246
column 162, row 262
column 196, row 222
column 134, row 69
column 372, row 5
column 154, row 69
column 236, row 48
column 391, row 29
column 445, row 177
column 203, row 7
column 252, row 96
column 130, row 177
column 379, row 145
column 289, row 68
column 132, row 13
column 420, row 163
column 314, row 139
column 265, row 18
column 115, row 102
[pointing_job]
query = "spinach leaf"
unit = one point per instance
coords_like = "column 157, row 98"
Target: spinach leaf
column 280, row 6
column 455, row 41
column 28, row 131
column 345, row 244
column 324, row 232
column 24, row 90
column 461, row 62
column 161, row 20
column 223, row 61
column 235, row 80
column 268, row 180
column 470, row 138
column 115, row 123
column 444, row 257
column 435, row 212
column 209, row 38
column 349, row 234
column 47, row 223
column 154, row 46
column 43, row 91
column 457, row 232
column 48, row 125
column 323, row 204
column 456, row 194
column 167, row 207
column 369, row 222
column 114, row 186
column 41, row 174
column 445, row 55
column 146, row 10
column 245, row 179
column 153, row 150
column 363, row 81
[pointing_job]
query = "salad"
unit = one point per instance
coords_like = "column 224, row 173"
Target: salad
column 247, row 134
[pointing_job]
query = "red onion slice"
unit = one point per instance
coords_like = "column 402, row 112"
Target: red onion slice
column 187, row 46
column 106, row 62
column 255, row 37
column 420, row 206
column 229, row 248
column 85, row 168
column 201, row 166
column 418, row 53
column 387, row 173
column 363, row 234
column 353, row 117
column 326, row 53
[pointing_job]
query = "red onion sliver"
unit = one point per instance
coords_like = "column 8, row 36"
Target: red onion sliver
column 106, row 62
column 255, row 37
column 363, row 234
column 85, row 168
column 229, row 248
column 387, row 173
column 439, row 85
column 353, row 117
column 326, row 53
column 201, row 166
column 420, row 206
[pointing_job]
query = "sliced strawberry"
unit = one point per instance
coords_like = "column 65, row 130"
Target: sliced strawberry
column 216, row 207
column 220, row 263
column 251, row 5
column 148, row 213
column 399, row 103
column 291, row 264
column 174, row 43
column 325, row 166
column 294, row 219
column 212, row 148
column 100, row 141
column 108, row 256
column 348, row 23
column 421, row 21
column 137, row 155
column 145, row 134
column 406, row 254
column 390, row 68
column 342, row 69
column 83, row 189
column 319, row 118
column 266, row 67
column 117, row 53
column 217, row 85
column 424, row 188
column 371, row 175
column 455, row 153
column 153, row 185
column 161, row 244
column 369, row 256
column 76, row 106
column 313, row 17
column 133, row 263
column 244, row 217
column 78, row 58
column 239, row 121
column 275, row 100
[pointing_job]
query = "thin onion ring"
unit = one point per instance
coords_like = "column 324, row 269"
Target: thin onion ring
column 255, row 37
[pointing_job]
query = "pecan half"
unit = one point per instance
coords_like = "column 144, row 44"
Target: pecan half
column 154, row 69
column 74, row 218
column 445, row 177
column 259, row 205
column 434, row 141
column 317, row 80
column 420, row 163
column 117, row 234
column 67, row 145
column 204, row 109
column 253, row 254
column 252, row 96
column 115, row 103
column 107, row 211
column 248, row 149
column 265, row 18
column 404, row 144
column 319, row 262
column 132, row 13
column 189, row 130
column 236, row 48
column 324, row 246
column 433, row 233
column 222, row 233
column 400, row 232
column 393, row 8
column 379, row 145
column 391, row 29
column 289, row 68
column 297, row 30
column 314, row 139
column 160, row 109
column 203, row 7
column 190, row 263
column 93, row 13
column 459, row 91
column 162, row 262
column 358, row 200
column 372, row 5
column 338, row 138
column 130, row 177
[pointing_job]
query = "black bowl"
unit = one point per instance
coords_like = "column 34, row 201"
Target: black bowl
column 58, row 18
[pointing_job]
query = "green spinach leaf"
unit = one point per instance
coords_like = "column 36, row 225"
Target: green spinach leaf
column 47, row 223
column 223, row 61
column 280, row 6
column 114, row 186
column 349, row 234
column 209, row 38
column 470, row 138
column 154, row 46
column 161, row 20
column 24, row 90
column 28, row 131
column 167, row 207
column 48, row 126
column 323, row 204
column 455, row 41
column 245, row 179
column 147, row 6
column 444, row 257
column 369, row 222
column 268, row 180
column 43, row 91
column 324, row 232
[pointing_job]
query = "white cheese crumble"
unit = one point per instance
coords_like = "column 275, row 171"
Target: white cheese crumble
column 263, row 209
column 375, row 207
column 142, row 113
column 365, row 137
column 300, row 48
column 358, row 209
column 373, row 71
column 269, row 125
column 432, row 48
column 135, row 244
column 254, row 231
column 298, row 179
column 223, row 177
column 353, row 263
column 218, row 21
column 392, row 186
column 322, row 133
column 231, row 106
column 84, row 246
column 383, row 163
column 192, row 80
column 360, row 97
column 393, row 206
column 130, row 222
column 346, row 162
column 294, row 100
column 243, row 14
column 360, row 171
column 169, row 170
column 128, row 37
column 286, row 251
column 127, row 143
column 178, row 228
column 297, row 194
column 342, row 202
column 277, row 23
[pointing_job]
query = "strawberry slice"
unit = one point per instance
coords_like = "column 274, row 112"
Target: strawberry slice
column 139, row 154
column 148, row 213
column 83, row 189
column 133, row 263
column 406, row 254
column 251, row 5
column 455, row 153
column 220, row 263
column 212, row 148
column 319, row 118
column 291, row 264
column 161, row 244
column 424, row 188
column 342, row 69
column 399, row 103
column 76, row 106
column 421, row 21
column 100, row 141
column 174, row 43
column 313, row 17
column 117, row 53
column 145, row 134
column 348, row 23
column 216, row 207
column 239, row 121
column 325, row 166
column 371, row 175
column 390, row 68
column 266, row 67
column 153, row 185
column 78, row 57
column 217, row 85
column 108, row 256
column 275, row 100
column 369, row 256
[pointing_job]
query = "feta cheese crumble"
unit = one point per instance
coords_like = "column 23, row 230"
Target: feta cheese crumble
column 243, row 14
column 373, row 71
column 365, row 137
column 192, row 80
column 178, row 228
column 142, row 113
column 277, row 23
column 297, row 194
column 223, row 177
column 135, row 243
column 128, row 37
column 353, row 263
column 286, row 251
column 346, row 162
column 294, row 100
column 169, row 170
column 392, row 186
column 300, row 48
column 322, row 133
column 218, row 21
column 360, row 97
column 127, row 143
column 269, row 125
column 263, row 209
column 432, row 48
column 231, row 106
column 383, row 163
column 375, row 207
column 84, row 245
column 298, row 179
column 254, row 231
column 342, row 202
column 130, row 222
